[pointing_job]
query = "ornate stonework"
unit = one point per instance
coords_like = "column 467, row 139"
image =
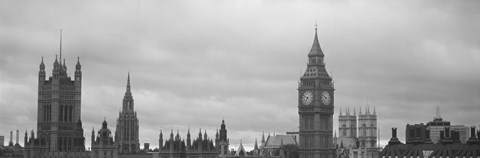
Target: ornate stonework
column 126, row 134
column 315, row 107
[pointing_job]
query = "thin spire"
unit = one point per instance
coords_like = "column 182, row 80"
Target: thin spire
column 128, row 83
column 316, row 49
column 340, row 111
column 374, row 111
column 60, row 45
column 354, row 112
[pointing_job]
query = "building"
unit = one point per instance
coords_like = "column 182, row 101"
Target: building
column 357, row 134
column 221, row 140
column 462, row 131
column 315, row 107
column 448, row 145
column 103, row 145
column 59, row 125
column 417, row 133
column 347, row 129
column 126, row 133
column 277, row 146
column 201, row 147
column 2, row 141
column 437, row 125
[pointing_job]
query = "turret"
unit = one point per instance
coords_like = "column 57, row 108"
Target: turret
column 78, row 71
column 200, row 134
column 93, row 136
column 171, row 134
column 223, row 131
column 205, row 135
column 41, row 72
column 56, row 68
column 25, row 139
column 160, row 140
column 189, row 141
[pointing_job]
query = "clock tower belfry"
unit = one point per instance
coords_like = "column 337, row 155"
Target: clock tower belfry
column 316, row 107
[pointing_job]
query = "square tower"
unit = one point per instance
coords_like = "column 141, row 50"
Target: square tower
column 315, row 107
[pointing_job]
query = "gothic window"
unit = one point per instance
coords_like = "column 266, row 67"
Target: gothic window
column 344, row 129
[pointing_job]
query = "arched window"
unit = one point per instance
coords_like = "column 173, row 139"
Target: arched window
column 344, row 128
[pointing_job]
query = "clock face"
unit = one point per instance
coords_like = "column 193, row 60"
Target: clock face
column 326, row 98
column 307, row 98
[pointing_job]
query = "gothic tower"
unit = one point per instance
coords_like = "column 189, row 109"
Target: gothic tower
column 347, row 128
column 367, row 123
column 59, row 108
column 126, row 133
column 223, row 140
column 315, row 107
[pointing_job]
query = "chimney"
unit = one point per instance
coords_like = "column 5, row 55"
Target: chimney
column 16, row 139
column 394, row 132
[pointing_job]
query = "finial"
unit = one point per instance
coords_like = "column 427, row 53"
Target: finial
column 316, row 25
column 340, row 111
column 374, row 111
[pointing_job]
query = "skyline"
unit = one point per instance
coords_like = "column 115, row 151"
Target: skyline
column 187, row 61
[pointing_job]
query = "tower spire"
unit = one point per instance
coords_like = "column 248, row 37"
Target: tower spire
column 60, row 45
column 128, row 83
column 316, row 49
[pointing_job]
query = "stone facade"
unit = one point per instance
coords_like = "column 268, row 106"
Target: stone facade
column 59, row 125
column 201, row 147
column 315, row 107
column 126, row 133
column 357, row 134
column 59, row 109
column 103, row 145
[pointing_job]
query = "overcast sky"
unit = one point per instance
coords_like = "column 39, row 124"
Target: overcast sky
column 193, row 63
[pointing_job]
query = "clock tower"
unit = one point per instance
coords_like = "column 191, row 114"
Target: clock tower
column 316, row 107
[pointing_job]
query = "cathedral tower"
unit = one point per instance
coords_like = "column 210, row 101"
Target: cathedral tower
column 126, row 133
column 347, row 128
column 315, row 107
column 367, row 123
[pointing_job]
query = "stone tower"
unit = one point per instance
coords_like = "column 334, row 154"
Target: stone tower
column 223, row 141
column 59, row 108
column 347, row 128
column 316, row 107
column 126, row 133
column 367, row 134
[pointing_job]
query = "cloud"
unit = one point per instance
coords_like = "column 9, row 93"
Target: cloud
column 193, row 63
